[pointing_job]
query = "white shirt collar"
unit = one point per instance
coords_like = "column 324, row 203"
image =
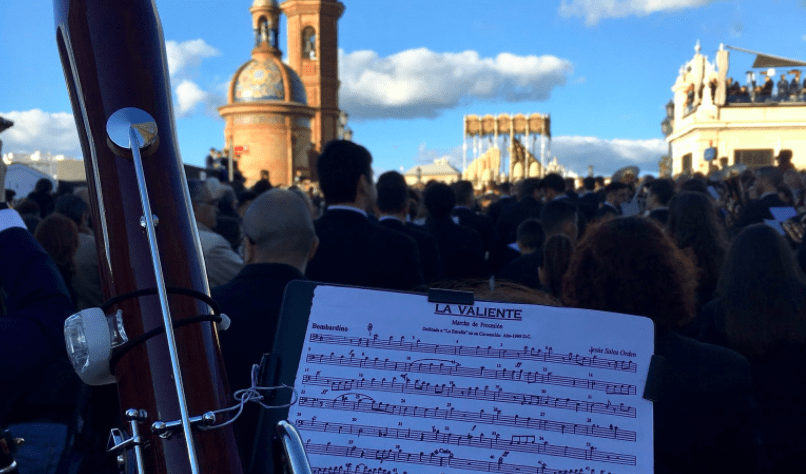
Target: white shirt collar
column 386, row 218
column 769, row 193
column 347, row 208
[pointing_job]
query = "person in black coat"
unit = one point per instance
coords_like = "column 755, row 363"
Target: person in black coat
column 460, row 247
column 512, row 215
column 588, row 202
column 767, row 181
column 35, row 303
column 393, row 204
column 280, row 240
column 661, row 192
column 761, row 313
column 353, row 250
column 705, row 418
column 615, row 195
column 503, row 190
column 524, row 269
column 468, row 217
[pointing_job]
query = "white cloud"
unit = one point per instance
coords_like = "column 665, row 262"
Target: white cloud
column 427, row 155
column 187, row 55
column 189, row 95
column 595, row 10
column 35, row 129
column 422, row 83
column 607, row 156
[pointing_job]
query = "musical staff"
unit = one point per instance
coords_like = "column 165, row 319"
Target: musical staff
column 393, row 389
column 367, row 405
column 516, row 443
column 455, row 369
column 487, row 352
column 438, row 459
column 476, row 393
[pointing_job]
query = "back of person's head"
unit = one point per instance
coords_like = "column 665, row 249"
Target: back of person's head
column 73, row 207
column 695, row 185
column 663, row 189
column 559, row 217
column 554, row 182
column 693, row 223
column 439, row 199
column 589, row 183
column 199, row 191
column 464, row 193
column 628, row 265
column 261, row 187
column 557, row 253
column 58, row 235
column 770, row 175
column 393, row 194
column 570, row 184
column 599, row 180
column 530, row 235
column 762, row 290
column 340, row 166
column 306, row 199
column 64, row 188
column 528, row 187
column 504, row 188
column 615, row 186
column 278, row 223
column 44, row 185
column 27, row 206
column 9, row 197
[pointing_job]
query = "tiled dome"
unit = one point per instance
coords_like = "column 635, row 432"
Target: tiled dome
column 263, row 80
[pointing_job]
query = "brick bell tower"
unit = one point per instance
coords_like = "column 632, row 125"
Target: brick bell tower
column 313, row 51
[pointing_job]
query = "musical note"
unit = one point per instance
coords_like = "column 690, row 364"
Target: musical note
column 436, row 460
column 446, row 394
column 453, row 369
column 487, row 352
column 476, row 393
column 580, row 429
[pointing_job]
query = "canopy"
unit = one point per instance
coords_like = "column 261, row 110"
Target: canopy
column 767, row 60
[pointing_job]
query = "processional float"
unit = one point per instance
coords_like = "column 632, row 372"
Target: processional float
column 156, row 336
column 519, row 134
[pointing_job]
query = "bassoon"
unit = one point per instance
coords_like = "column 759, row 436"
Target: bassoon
column 170, row 375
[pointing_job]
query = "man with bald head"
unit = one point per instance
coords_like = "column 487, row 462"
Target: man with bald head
column 279, row 241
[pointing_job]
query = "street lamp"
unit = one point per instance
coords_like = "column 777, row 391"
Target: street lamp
column 670, row 110
column 419, row 172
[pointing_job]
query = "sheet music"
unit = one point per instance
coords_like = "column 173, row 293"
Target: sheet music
column 390, row 383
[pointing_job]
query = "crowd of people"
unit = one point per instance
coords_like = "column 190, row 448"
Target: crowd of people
column 726, row 291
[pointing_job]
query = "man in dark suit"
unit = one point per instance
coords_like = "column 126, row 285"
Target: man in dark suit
column 589, row 201
column 615, row 194
column 280, row 240
column 767, row 181
column 528, row 205
column 393, row 205
column 524, row 269
column 661, row 192
column 465, row 212
column 460, row 247
column 353, row 250
column 503, row 191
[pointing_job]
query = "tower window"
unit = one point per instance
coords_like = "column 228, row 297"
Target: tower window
column 309, row 43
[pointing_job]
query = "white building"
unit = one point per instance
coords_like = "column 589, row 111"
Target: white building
column 711, row 128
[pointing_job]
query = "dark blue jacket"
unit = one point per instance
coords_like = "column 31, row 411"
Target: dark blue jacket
column 35, row 304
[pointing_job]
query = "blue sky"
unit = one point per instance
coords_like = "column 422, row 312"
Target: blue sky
column 411, row 70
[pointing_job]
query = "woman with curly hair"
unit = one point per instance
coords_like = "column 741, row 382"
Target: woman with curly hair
column 761, row 313
column 703, row 410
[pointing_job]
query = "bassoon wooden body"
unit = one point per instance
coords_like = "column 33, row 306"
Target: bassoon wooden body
column 113, row 55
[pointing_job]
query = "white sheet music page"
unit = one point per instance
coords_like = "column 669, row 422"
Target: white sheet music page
column 390, row 383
